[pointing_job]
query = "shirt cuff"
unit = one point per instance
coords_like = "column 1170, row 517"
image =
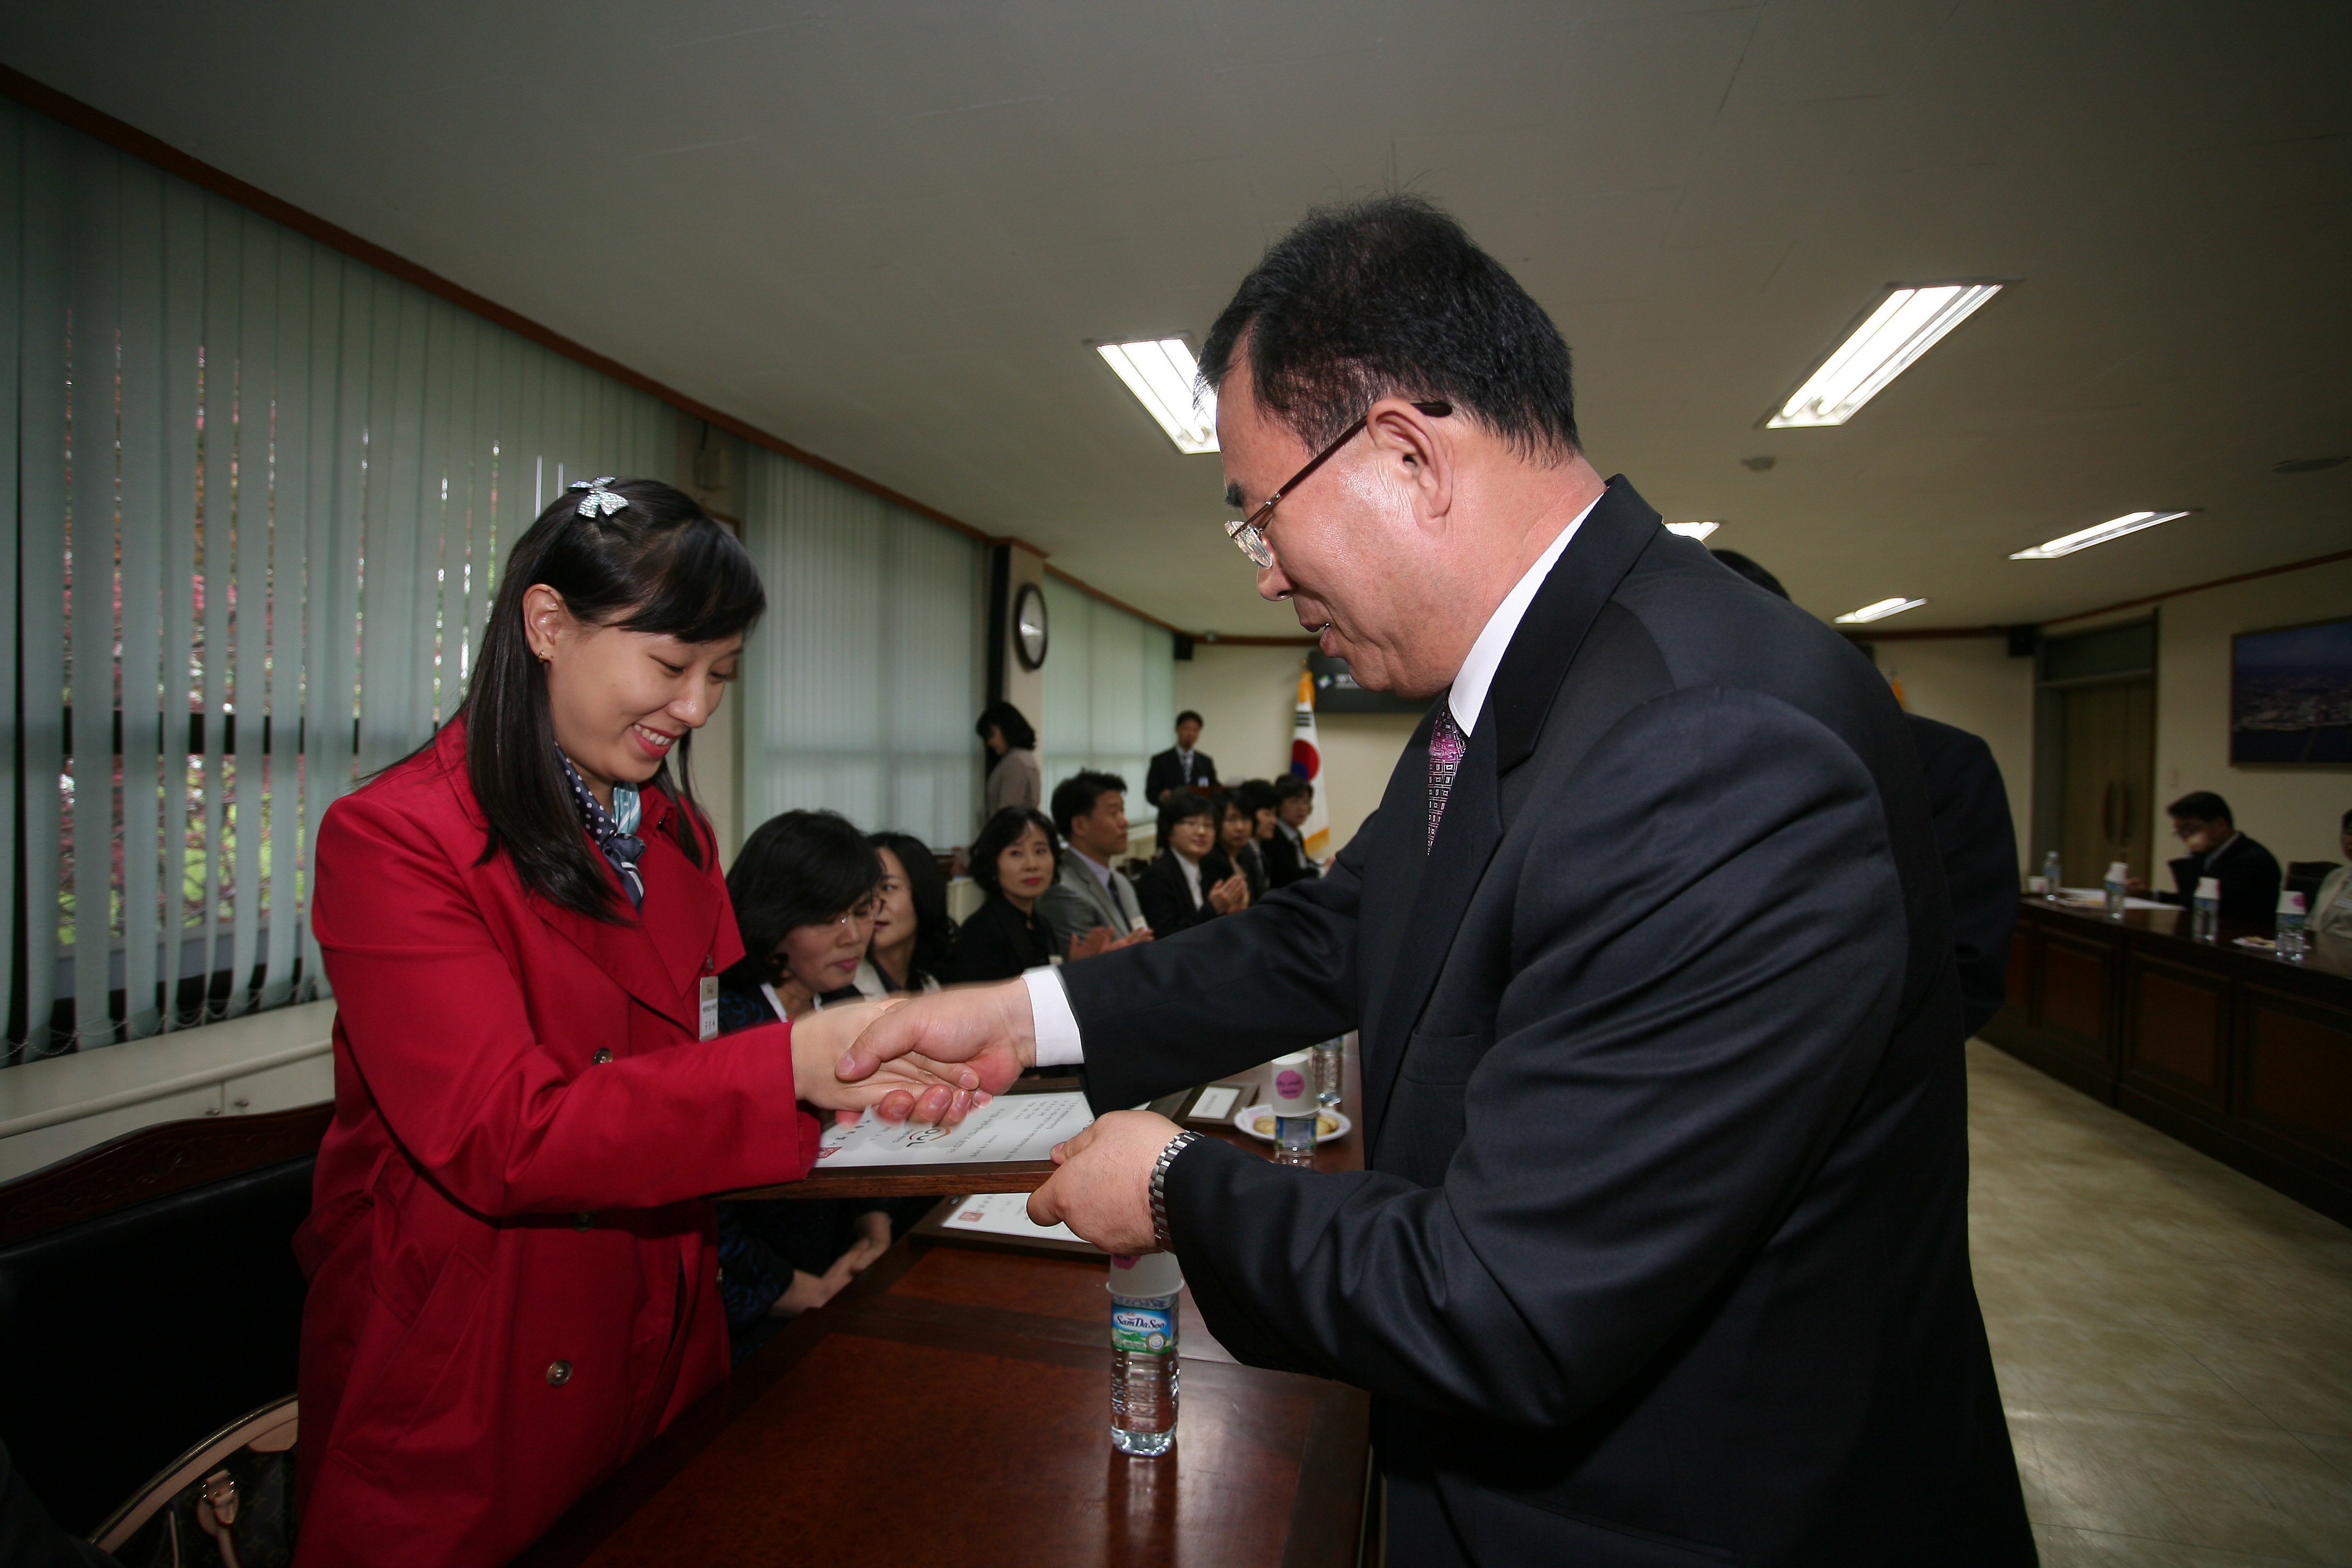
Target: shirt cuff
column 1058, row 1044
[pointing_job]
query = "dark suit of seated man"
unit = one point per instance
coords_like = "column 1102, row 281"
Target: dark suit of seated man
column 1180, row 765
column 2249, row 874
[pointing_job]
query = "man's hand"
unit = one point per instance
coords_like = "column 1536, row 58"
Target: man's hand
column 987, row 1029
column 1231, row 894
column 1140, row 933
column 1097, row 940
column 1103, row 1190
column 927, row 1089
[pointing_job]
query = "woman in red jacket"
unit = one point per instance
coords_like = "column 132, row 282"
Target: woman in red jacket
column 513, row 1283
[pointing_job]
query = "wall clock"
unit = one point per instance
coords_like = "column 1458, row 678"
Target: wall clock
column 1029, row 625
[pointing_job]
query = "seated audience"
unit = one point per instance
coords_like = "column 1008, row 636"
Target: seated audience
column 1014, row 858
column 1237, row 837
column 1180, row 765
column 803, row 891
column 914, row 935
column 2331, row 908
column 1013, row 777
column 1192, row 882
column 1090, row 906
column 2249, row 874
column 1287, row 860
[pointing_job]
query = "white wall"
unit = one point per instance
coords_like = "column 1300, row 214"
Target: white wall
column 1360, row 751
column 1972, row 684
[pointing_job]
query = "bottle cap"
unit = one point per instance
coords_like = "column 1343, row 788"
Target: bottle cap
column 1154, row 1274
column 2291, row 903
column 1294, row 1084
column 2119, row 872
column 2209, row 886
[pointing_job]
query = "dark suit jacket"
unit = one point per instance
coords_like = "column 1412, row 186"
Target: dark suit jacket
column 2249, row 874
column 1167, row 773
column 1977, row 845
column 1662, row 1256
column 1167, row 899
column 1284, row 862
column 998, row 942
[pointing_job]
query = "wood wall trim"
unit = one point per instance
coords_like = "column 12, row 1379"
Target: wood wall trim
column 1926, row 633
column 2201, row 587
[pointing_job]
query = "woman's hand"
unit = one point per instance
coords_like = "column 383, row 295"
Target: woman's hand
column 940, row 1092
column 1231, row 894
column 1095, row 941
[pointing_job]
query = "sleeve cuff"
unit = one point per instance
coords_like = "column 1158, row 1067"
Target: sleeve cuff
column 1057, row 1026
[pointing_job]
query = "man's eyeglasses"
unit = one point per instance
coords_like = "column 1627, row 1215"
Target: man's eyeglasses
column 1248, row 533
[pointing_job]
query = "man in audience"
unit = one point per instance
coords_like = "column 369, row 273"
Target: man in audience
column 1974, row 837
column 1286, row 852
column 2331, row 910
column 2249, row 874
column 1090, row 906
column 1180, row 766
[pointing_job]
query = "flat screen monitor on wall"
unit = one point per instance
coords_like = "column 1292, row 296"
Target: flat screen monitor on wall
column 2291, row 695
column 1336, row 691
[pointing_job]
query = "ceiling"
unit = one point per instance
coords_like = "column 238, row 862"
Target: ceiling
column 887, row 231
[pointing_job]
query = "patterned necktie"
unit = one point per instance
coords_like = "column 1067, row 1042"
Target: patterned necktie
column 1446, row 745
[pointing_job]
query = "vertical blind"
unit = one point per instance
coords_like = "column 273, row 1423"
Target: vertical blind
column 862, row 683
column 1110, row 691
column 260, row 493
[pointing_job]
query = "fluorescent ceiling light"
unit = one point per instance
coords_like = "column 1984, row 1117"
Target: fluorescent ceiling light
column 1692, row 529
column 2130, row 523
column 1162, row 376
column 1905, row 325
column 1881, row 610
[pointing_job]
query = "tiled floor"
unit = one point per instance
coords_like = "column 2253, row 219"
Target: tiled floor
column 2174, row 1340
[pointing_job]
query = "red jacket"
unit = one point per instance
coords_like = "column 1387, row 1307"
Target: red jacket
column 513, row 1272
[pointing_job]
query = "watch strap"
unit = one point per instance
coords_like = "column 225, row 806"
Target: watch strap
column 1175, row 1146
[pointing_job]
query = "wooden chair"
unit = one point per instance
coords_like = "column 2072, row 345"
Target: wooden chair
column 2305, row 876
column 148, row 1296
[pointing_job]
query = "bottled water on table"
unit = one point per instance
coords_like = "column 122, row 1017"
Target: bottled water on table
column 1330, row 1071
column 2050, row 875
column 1294, row 1109
column 1143, row 1352
column 2205, row 918
column 2118, row 878
column 2292, row 941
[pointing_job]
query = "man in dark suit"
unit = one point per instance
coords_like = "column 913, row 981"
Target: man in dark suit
column 1975, row 838
column 2249, row 874
column 1661, row 1255
column 1180, row 765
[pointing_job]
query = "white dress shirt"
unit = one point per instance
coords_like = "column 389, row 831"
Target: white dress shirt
column 1057, row 1027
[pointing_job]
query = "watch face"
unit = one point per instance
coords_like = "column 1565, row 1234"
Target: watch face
column 1029, row 627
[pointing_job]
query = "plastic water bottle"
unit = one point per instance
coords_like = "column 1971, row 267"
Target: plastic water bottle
column 1330, row 1071
column 1143, row 1352
column 2292, row 941
column 2051, row 875
column 2205, row 918
column 1294, row 1109
column 2118, row 875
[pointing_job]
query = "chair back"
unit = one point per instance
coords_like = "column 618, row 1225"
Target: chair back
column 2305, row 876
column 148, row 1296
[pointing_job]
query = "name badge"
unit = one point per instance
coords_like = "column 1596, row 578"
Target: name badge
column 711, row 1006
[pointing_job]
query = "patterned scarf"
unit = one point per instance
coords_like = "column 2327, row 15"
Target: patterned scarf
column 614, row 831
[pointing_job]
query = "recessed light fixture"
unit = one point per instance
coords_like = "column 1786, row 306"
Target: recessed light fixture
column 1692, row 529
column 1880, row 611
column 2116, row 528
column 2308, row 465
column 1162, row 375
column 1905, row 325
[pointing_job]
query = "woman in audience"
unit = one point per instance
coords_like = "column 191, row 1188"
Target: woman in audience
column 512, row 1281
column 804, row 889
column 1015, row 859
column 1237, row 840
column 1014, row 778
column 2331, row 909
column 913, row 936
column 1287, row 860
column 1191, row 881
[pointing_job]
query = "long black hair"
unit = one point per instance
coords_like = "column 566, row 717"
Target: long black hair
column 798, row 868
column 660, row 565
column 935, row 929
column 1000, row 833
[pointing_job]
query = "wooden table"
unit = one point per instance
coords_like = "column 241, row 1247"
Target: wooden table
column 2226, row 1049
column 953, row 1406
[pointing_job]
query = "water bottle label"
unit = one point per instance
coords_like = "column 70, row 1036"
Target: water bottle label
column 1151, row 1330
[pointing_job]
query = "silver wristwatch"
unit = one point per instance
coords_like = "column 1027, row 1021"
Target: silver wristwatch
column 1160, row 1188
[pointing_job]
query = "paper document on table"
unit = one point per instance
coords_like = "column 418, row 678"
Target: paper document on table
column 1010, row 1127
column 1003, row 1214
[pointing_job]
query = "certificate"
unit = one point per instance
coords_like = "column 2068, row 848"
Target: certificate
column 1005, row 1146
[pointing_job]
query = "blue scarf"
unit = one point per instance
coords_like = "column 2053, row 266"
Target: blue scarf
column 614, row 831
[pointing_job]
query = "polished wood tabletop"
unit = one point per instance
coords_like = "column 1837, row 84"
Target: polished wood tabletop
column 953, row 1406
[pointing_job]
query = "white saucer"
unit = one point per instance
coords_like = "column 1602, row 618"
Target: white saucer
column 1245, row 1120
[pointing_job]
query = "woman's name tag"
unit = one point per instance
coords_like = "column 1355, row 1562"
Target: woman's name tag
column 711, row 1006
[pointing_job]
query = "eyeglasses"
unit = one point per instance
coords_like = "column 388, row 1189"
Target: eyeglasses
column 1248, row 533
column 856, row 912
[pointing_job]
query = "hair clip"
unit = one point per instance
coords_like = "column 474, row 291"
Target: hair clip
column 598, row 497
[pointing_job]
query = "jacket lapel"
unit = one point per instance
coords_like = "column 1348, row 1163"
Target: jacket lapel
column 1620, row 526
column 655, row 956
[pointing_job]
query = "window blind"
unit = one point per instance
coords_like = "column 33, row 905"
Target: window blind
column 1110, row 691
column 861, row 685
column 260, row 494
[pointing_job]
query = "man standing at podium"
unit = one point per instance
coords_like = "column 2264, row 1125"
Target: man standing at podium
column 1662, row 1253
